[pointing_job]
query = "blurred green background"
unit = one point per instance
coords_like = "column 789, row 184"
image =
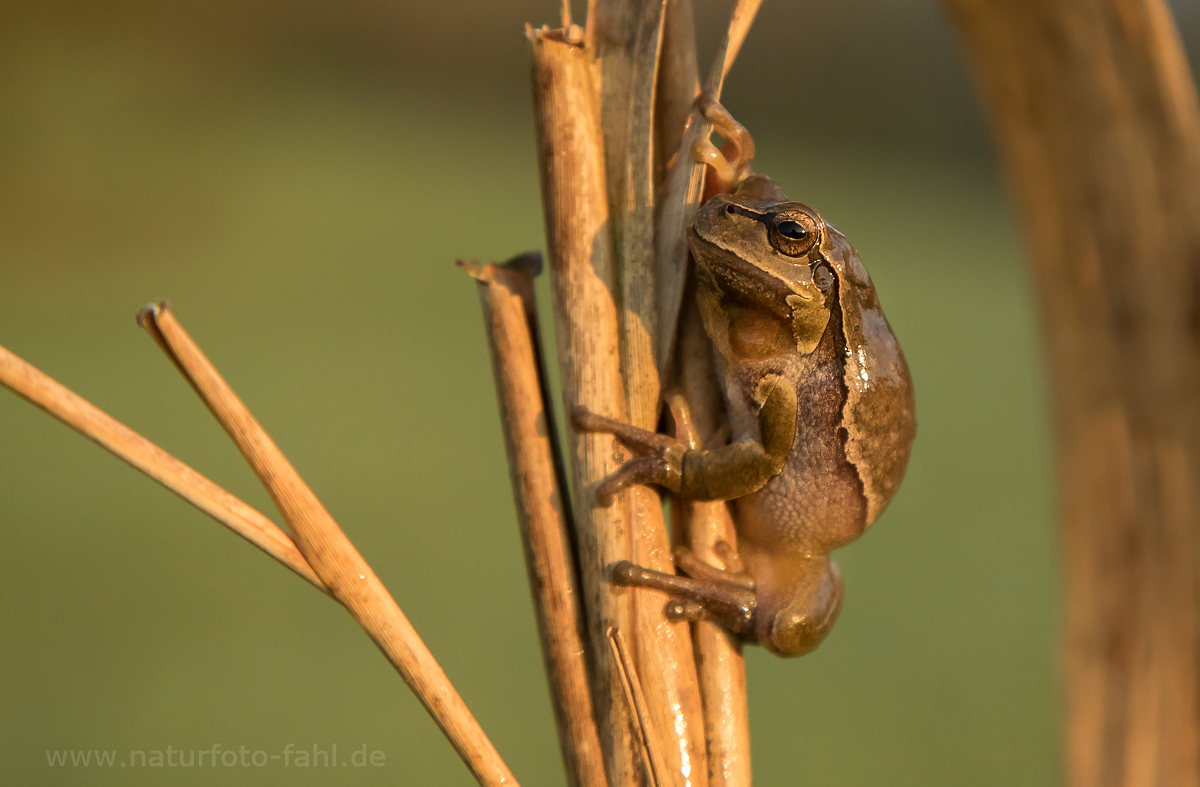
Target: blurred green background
column 299, row 178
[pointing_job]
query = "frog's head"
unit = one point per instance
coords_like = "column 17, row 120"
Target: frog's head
column 764, row 266
column 793, row 618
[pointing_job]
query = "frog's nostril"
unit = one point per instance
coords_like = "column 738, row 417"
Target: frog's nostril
column 729, row 209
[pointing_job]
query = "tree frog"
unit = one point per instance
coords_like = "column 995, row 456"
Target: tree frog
column 821, row 419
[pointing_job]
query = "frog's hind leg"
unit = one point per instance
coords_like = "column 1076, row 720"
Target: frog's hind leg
column 731, row 163
column 721, row 601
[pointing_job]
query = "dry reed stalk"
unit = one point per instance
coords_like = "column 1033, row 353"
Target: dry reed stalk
column 684, row 187
column 597, row 106
column 575, row 203
column 506, row 294
column 1096, row 114
column 719, row 663
column 627, row 59
column 629, row 36
column 666, row 662
column 678, row 84
column 84, row 417
column 331, row 554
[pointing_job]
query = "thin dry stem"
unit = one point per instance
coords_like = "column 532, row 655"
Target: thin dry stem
column 93, row 423
column 506, row 294
column 663, row 649
column 629, row 67
column 649, row 740
column 571, row 158
column 331, row 554
column 740, row 22
column 721, row 669
column 685, row 187
column 719, row 662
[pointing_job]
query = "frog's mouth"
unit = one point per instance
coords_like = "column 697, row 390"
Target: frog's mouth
column 739, row 281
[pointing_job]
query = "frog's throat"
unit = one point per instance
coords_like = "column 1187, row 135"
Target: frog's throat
column 724, row 278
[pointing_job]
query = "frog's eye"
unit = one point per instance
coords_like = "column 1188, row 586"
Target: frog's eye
column 792, row 229
column 823, row 276
column 794, row 232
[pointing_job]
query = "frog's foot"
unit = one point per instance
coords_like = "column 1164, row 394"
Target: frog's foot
column 658, row 460
column 731, row 163
column 725, row 603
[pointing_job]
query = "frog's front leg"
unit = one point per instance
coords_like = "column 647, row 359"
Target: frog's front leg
column 725, row 473
column 658, row 460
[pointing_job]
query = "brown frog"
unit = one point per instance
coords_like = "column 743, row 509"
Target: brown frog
column 821, row 418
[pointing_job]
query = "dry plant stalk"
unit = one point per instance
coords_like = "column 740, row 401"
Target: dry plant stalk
column 570, row 150
column 613, row 202
column 703, row 525
column 331, row 554
column 1096, row 114
column 506, row 294
column 719, row 664
column 344, row 575
column 628, row 36
column 650, row 744
column 684, row 187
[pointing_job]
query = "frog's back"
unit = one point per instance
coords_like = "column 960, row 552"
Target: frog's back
column 880, row 409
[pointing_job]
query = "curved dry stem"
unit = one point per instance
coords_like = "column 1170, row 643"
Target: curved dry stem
column 331, row 554
column 1098, row 123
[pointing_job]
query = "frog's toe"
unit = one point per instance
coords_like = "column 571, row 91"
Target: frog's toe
column 694, row 567
column 683, row 609
column 637, row 472
column 729, row 556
